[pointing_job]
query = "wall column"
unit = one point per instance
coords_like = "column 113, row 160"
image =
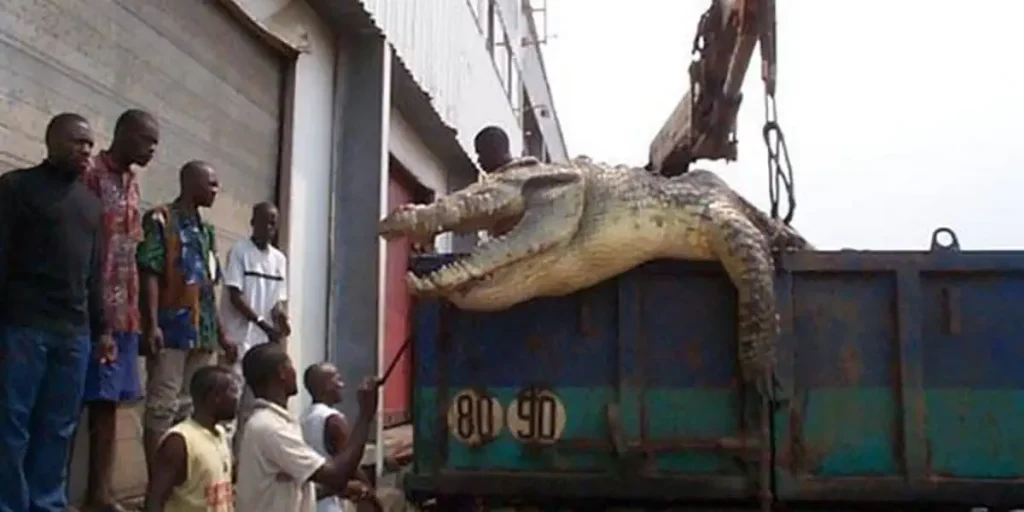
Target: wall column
column 361, row 121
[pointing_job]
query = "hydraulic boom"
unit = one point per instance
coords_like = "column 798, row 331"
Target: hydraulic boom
column 703, row 124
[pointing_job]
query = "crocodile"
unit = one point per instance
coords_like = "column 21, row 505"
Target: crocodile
column 579, row 223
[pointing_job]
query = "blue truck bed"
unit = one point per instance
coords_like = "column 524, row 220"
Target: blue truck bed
column 906, row 372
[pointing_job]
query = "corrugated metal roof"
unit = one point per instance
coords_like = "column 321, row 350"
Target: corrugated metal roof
column 351, row 17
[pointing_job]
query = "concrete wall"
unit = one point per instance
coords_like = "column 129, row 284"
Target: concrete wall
column 442, row 46
column 213, row 86
column 308, row 186
column 527, row 71
column 535, row 81
column 362, row 109
column 307, row 167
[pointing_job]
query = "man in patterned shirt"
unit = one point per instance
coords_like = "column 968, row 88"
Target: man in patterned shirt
column 181, row 330
column 113, row 180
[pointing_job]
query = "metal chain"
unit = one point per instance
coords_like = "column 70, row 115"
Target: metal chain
column 780, row 168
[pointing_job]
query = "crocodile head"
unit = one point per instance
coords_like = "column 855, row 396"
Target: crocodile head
column 542, row 203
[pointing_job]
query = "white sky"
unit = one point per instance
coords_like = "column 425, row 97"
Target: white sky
column 901, row 115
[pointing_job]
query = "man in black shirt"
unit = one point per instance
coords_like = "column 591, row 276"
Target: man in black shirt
column 492, row 148
column 51, row 309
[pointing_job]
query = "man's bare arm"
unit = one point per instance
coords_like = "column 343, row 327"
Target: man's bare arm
column 238, row 302
column 336, row 434
column 170, row 458
column 151, row 297
column 341, row 468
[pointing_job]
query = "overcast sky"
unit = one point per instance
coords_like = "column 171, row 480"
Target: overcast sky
column 901, row 116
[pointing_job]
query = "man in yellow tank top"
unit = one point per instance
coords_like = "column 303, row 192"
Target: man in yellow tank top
column 192, row 467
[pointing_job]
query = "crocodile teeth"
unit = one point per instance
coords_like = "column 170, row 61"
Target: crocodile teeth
column 418, row 284
column 449, row 275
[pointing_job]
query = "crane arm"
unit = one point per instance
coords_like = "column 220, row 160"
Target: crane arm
column 703, row 124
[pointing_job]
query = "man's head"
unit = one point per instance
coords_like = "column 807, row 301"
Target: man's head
column 136, row 135
column 215, row 392
column 264, row 222
column 269, row 371
column 323, row 381
column 198, row 181
column 492, row 148
column 69, row 142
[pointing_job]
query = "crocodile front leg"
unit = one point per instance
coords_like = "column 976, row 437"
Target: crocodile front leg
column 744, row 253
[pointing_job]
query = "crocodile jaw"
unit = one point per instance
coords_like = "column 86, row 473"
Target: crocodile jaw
column 546, row 207
column 474, row 208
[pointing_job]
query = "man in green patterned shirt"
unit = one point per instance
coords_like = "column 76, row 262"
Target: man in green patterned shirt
column 178, row 265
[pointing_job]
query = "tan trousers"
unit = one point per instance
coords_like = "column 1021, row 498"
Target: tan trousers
column 246, row 405
column 167, row 380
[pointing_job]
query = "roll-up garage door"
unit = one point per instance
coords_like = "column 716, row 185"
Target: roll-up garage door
column 215, row 88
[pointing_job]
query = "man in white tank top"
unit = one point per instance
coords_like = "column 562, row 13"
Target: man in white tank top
column 326, row 430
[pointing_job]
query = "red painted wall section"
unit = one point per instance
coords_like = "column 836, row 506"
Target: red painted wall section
column 397, row 390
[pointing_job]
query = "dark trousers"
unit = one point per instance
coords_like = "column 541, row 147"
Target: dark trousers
column 42, row 377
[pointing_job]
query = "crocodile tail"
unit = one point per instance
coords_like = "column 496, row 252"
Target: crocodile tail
column 781, row 237
column 742, row 248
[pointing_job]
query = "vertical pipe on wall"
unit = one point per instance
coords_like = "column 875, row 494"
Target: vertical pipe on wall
column 385, row 127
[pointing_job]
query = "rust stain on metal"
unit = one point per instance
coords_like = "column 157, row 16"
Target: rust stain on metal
column 798, row 454
column 838, row 308
column 534, row 344
column 694, row 357
column 741, row 446
column 586, row 321
column 851, row 363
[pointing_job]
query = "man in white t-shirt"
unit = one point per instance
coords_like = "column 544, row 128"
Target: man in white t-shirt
column 255, row 291
column 277, row 470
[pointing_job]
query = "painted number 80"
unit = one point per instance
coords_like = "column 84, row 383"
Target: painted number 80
column 474, row 418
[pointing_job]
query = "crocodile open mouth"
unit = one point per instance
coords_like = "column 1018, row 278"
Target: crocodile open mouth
column 503, row 247
column 525, row 210
column 502, row 217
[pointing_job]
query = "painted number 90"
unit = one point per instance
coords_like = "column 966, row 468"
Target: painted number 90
column 536, row 416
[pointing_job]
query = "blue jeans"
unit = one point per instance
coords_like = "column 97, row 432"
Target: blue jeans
column 42, row 376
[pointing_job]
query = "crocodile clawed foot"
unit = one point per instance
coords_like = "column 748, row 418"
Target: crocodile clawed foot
column 769, row 386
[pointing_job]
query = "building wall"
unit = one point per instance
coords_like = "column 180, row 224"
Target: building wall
column 213, row 86
column 523, row 77
column 535, row 82
column 442, row 45
column 307, row 168
column 425, row 167
column 359, row 180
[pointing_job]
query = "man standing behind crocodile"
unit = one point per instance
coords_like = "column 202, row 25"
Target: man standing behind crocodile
column 492, row 148
column 181, row 330
column 493, row 153
column 113, row 180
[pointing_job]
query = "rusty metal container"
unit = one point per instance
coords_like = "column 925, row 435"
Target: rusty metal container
column 908, row 377
column 905, row 373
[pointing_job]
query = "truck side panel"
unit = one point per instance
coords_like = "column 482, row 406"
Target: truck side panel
column 904, row 370
column 907, row 376
column 646, row 360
